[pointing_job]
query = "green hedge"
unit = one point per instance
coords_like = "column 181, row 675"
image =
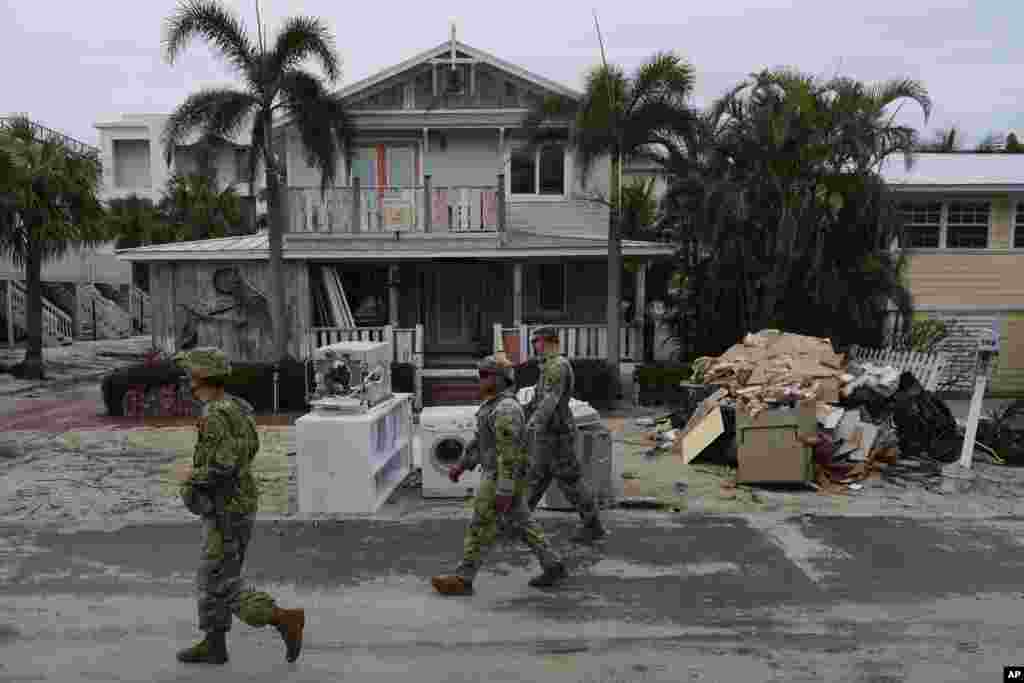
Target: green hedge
column 658, row 383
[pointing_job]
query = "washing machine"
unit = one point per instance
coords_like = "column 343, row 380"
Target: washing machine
column 444, row 432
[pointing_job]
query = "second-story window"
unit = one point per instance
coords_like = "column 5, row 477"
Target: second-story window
column 967, row 225
column 922, row 224
column 540, row 172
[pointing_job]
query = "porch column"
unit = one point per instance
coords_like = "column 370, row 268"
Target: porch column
column 517, row 294
column 356, row 204
column 393, row 295
column 10, row 312
column 639, row 312
column 428, row 205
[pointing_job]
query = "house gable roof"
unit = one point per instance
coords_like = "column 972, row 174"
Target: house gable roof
column 443, row 50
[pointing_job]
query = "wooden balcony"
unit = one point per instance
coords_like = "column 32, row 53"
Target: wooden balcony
column 417, row 209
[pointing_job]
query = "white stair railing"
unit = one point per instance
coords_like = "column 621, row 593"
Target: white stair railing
column 57, row 326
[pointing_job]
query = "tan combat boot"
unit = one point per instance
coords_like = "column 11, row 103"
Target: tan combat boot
column 290, row 623
column 210, row 650
column 452, row 585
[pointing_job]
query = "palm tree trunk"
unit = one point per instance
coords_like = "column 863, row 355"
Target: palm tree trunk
column 32, row 365
column 614, row 278
column 275, row 244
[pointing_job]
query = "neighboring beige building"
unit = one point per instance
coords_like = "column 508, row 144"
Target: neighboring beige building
column 964, row 216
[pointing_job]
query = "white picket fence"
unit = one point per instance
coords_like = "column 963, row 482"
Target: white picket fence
column 577, row 341
column 926, row 367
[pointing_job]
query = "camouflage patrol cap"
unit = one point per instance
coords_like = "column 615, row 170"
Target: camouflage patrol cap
column 546, row 332
column 204, row 362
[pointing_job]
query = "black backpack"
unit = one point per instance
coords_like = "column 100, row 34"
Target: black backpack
column 925, row 425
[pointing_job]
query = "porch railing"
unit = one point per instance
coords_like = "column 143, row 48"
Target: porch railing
column 577, row 341
column 57, row 325
column 382, row 209
column 406, row 342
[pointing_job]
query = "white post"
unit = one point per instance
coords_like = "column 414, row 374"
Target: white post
column 393, row 295
column 10, row 313
column 639, row 315
column 517, row 294
column 987, row 350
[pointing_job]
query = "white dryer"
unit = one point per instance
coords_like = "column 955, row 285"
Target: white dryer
column 444, row 432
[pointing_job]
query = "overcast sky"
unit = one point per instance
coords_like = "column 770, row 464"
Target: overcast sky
column 69, row 64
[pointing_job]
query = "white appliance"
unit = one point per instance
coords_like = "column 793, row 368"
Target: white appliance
column 600, row 463
column 353, row 462
column 444, row 432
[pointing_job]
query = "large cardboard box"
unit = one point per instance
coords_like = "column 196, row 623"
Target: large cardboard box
column 770, row 446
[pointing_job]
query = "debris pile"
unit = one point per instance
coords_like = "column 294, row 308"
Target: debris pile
column 788, row 408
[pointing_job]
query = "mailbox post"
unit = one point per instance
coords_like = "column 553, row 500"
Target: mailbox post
column 985, row 357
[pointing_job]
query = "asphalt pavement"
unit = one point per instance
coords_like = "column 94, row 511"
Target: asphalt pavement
column 690, row 598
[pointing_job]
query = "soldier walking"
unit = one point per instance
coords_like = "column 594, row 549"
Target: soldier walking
column 553, row 433
column 221, row 489
column 500, row 503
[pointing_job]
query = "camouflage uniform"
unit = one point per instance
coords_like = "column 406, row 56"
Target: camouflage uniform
column 500, row 449
column 223, row 491
column 552, row 429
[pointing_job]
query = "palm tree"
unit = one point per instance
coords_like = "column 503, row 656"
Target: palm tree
column 51, row 205
column 618, row 117
column 198, row 209
column 778, row 192
column 135, row 221
column 274, row 84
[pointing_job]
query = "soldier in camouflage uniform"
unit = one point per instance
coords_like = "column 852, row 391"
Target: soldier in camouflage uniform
column 552, row 430
column 221, row 489
column 500, row 449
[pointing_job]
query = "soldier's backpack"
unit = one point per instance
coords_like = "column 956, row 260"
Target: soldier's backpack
column 924, row 423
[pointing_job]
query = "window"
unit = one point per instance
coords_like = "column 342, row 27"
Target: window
column 551, row 286
column 541, row 172
column 922, row 223
column 967, row 225
column 131, row 164
column 1018, row 227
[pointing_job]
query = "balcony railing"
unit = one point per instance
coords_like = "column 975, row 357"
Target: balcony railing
column 42, row 132
column 382, row 209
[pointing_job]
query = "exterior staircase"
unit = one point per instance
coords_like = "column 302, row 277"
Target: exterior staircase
column 101, row 318
column 58, row 329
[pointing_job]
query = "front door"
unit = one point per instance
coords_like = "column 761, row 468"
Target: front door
column 453, row 309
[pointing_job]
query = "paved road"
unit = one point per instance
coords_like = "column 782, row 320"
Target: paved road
column 701, row 598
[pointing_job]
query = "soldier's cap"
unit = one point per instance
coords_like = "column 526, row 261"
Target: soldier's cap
column 497, row 364
column 546, row 332
column 204, row 362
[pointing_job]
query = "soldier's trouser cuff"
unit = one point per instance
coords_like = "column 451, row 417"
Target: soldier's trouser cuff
column 467, row 572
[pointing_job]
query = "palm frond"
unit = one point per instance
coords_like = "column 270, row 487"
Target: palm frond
column 214, row 112
column 666, row 76
column 322, row 121
column 208, row 19
column 304, row 37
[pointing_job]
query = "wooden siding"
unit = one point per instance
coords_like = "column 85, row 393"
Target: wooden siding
column 190, row 283
column 961, row 279
column 571, row 216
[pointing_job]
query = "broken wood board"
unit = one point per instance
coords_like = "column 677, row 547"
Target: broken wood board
column 702, row 435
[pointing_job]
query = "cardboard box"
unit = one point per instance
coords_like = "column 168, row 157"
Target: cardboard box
column 829, row 390
column 769, row 446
